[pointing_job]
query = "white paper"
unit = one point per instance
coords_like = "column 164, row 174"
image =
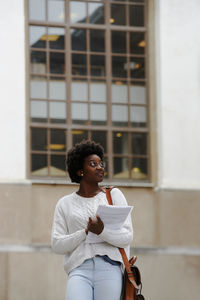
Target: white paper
column 113, row 218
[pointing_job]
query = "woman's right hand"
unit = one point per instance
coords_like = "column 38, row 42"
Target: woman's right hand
column 95, row 227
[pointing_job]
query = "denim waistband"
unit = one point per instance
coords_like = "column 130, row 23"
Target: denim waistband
column 111, row 261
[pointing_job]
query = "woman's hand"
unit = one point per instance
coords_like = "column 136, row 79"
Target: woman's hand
column 95, row 226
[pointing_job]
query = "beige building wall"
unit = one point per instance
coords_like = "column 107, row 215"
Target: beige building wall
column 166, row 241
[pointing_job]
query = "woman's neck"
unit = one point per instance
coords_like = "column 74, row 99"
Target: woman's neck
column 88, row 191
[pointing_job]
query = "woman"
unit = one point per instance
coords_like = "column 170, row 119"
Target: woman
column 94, row 269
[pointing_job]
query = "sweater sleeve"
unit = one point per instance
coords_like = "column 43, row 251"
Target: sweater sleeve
column 122, row 237
column 61, row 241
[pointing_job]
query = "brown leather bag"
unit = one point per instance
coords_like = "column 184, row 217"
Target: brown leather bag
column 132, row 285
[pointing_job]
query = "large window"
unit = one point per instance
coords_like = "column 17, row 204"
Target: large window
column 88, row 80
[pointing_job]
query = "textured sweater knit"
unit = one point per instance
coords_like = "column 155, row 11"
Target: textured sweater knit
column 70, row 221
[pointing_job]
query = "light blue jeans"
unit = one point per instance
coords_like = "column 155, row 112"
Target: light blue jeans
column 95, row 279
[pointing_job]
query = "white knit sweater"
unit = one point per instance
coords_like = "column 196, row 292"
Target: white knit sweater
column 70, row 221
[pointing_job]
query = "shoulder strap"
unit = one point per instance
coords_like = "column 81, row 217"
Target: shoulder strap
column 122, row 251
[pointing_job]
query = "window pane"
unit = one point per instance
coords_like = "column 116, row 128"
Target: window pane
column 98, row 92
column 78, row 136
column 137, row 67
column 120, row 143
column 38, row 62
column 118, row 14
column 120, row 115
column 119, row 66
column 57, row 112
column 39, row 139
column 57, row 167
column 58, row 140
column 56, row 10
column 79, row 113
column 56, row 38
column 38, row 87
column 137, row 93
column 37, row 10
column 139, row 168
column 39, row 165
column 97, row 67
column 79, row 64
column 38, row 111
column 57, row 89
column 57, row 63
column 37, row 37
column 136, row 15
column 98, row 114
column 119, row 92
column 138, row 116
column 100, row 137
column 139, row 143
column 120, row 166
column 78, row 39
column 77, row 12
column 137, row 43
column 96, row 13
column 97, row 40
column 118, row 42
column 79, row 90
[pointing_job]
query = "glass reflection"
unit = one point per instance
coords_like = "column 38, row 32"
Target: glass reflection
column 137, row 93
column 119, row 92
column 57, row 89
column 137, row 43
column 57, row 167
column 78, row 12
column 100, row 137
column 98, row 114
column 137, row 67
column 78, row 39
column 136, row 15
column 118, row 42
column 39, row 139
column 96, row 13
column 119, row 66
column 38, row 62
column 118, row 14
column 120, row 142
column 79, row 113
column 138, row 116
column 58, row 140
column 139, row 168
column 37, row 37
column 97, row 91
column 79, row 66
column 38, row 87
column 38, row 111
column 39, row 165
column 97, row 40
column 56, row 38
column 78, row 135
column 56, row 10
column 79, row 90
column 57, row 63
column 139, row 143
column 97, row 65
column 57, row 112
column 121, row 169
column 37, row 10
column 120, row 115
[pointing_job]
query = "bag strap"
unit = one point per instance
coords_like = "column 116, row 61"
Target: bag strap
column 122, row 251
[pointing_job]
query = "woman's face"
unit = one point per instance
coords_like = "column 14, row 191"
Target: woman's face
column 93, row 168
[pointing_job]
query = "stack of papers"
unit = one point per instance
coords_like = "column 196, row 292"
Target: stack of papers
column 113, row 218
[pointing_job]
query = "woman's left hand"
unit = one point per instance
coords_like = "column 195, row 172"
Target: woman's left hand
column 95, row 226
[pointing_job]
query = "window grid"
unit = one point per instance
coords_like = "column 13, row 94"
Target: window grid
column 59, row 74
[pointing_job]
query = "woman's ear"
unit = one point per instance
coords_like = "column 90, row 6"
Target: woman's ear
column 80, row 173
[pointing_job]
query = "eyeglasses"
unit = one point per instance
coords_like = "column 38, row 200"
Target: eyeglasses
column 94, row 164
